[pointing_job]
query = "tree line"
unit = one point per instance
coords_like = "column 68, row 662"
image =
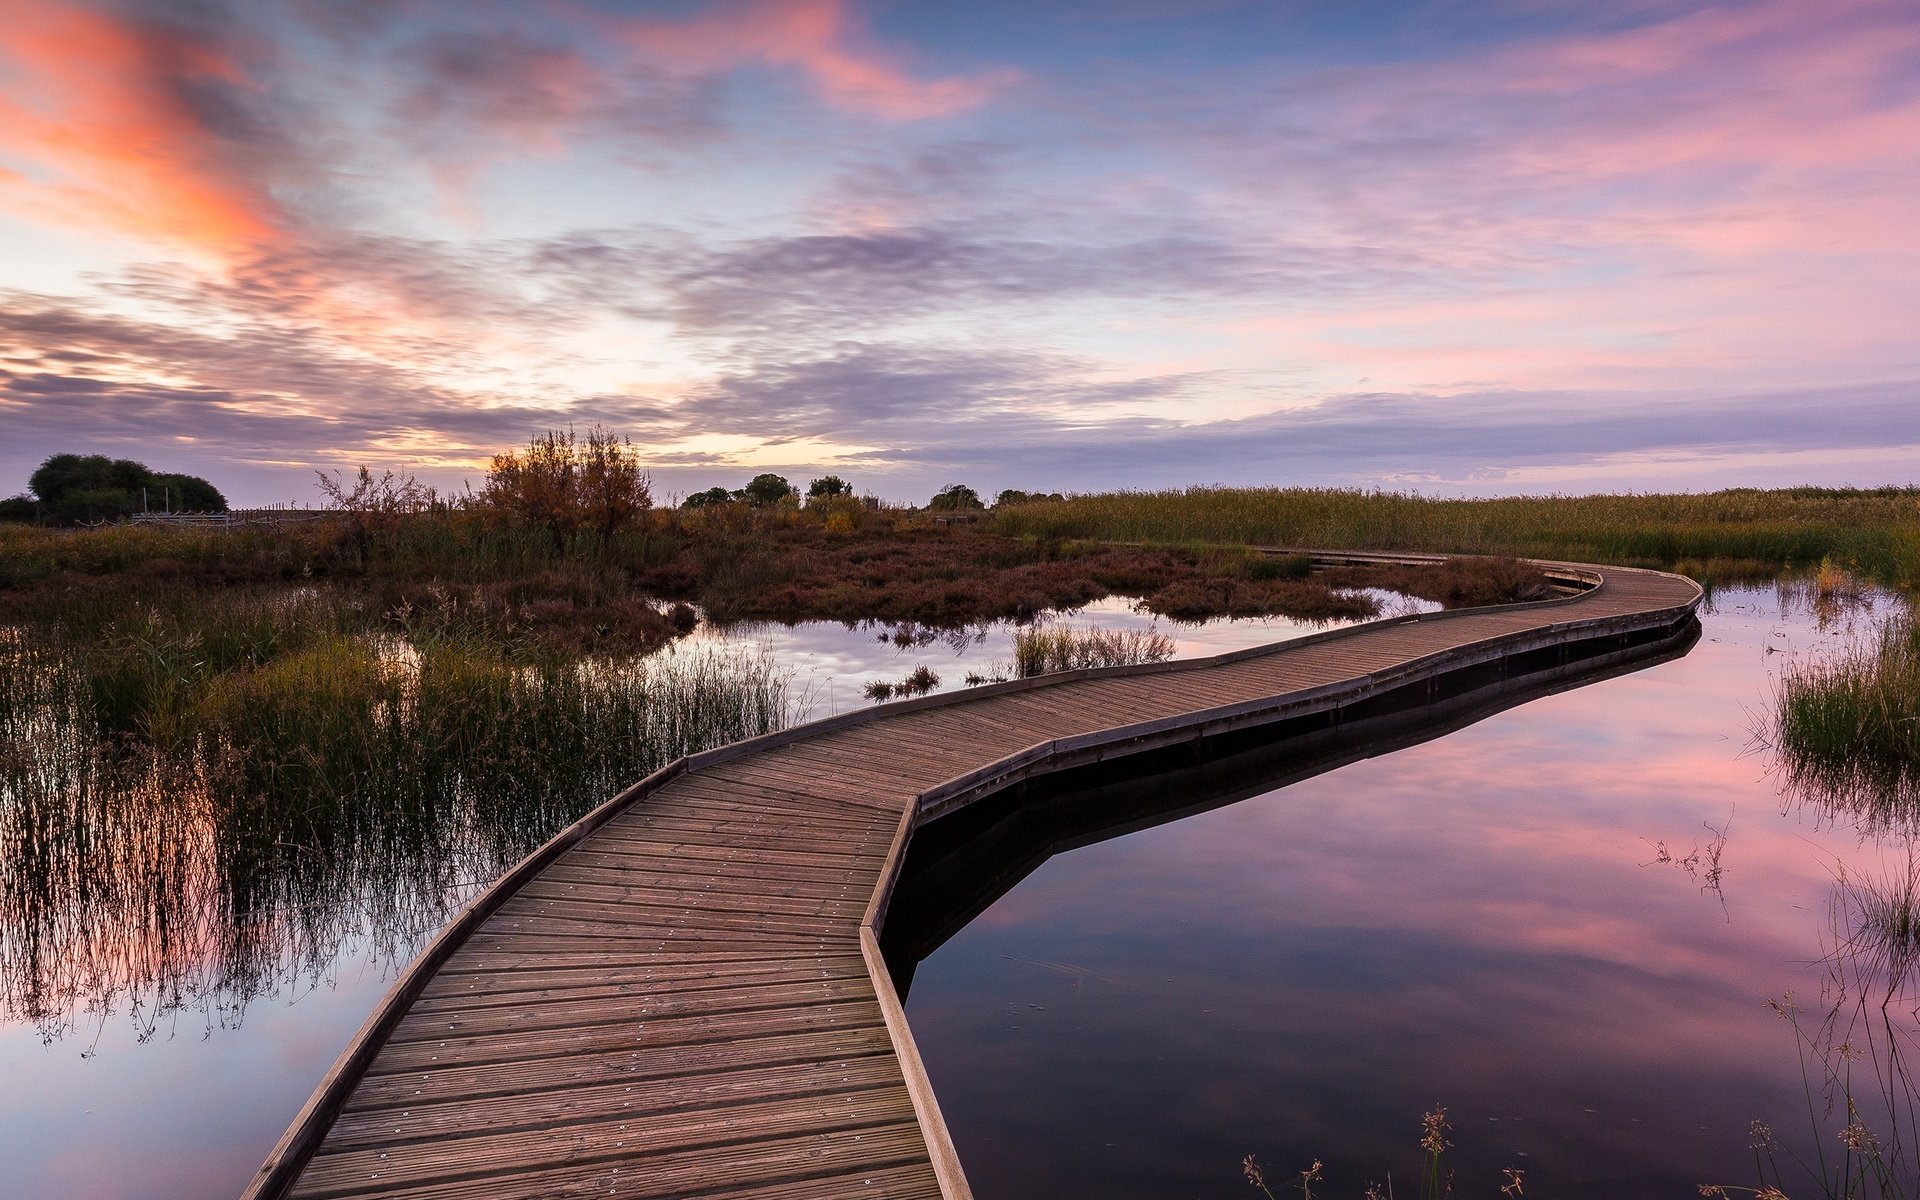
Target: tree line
column 77, row 489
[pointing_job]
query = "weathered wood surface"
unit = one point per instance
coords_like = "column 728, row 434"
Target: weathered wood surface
column 682, row 995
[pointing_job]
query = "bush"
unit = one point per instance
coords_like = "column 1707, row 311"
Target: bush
column 955, row 496
column 567, row 486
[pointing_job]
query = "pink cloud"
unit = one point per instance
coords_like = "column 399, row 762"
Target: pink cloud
column 97, row 130
column 822, row 39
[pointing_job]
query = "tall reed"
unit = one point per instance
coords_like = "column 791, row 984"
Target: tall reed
column 1044, row 649
column 192, row 816
column 1847, row 726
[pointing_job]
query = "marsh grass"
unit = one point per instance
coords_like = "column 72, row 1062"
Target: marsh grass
column 192, row 814
column 1728, row 536
column 1846, row 726
column 1045, row 649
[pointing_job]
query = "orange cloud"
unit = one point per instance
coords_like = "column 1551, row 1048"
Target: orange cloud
column 96, row 130
column 824, row 41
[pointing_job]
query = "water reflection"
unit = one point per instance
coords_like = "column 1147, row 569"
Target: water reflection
column 834, row 664
column 1474, row 921
column 353, row 800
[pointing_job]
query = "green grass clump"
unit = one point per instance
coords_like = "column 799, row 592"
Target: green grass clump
column 1044, row 649
column 1848, row 726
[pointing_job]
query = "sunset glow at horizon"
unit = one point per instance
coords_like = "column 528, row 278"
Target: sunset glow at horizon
column 1524, row 246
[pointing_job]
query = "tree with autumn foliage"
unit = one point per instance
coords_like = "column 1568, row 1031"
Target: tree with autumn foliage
column 568, row 484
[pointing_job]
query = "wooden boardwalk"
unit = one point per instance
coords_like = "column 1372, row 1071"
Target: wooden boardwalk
column 682, row 995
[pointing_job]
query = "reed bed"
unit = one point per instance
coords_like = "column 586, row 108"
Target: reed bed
column 1847, row 727
column 1727, row 535
column 193, row 814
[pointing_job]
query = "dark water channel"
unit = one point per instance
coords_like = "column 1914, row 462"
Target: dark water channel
column 1476, row 921
column 1480, row 921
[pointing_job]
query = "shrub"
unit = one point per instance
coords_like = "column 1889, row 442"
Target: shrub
column 566, row 485
column 955, row 496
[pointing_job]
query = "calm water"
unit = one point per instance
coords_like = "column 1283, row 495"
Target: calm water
column 1469, row 921
column 832, row 663
column 1480, row 922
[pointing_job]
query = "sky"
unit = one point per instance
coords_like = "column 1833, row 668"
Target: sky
column 1519, row 246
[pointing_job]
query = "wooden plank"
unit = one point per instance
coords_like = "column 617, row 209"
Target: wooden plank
column 755, row 785
column 503, row 986
column 623, row 1065
column 842, row 1155
column 573, row 1009
column 795, row 841
column 685, row 899
column 588, row 858
column 690, row 851
column 343, row 1172
column 741, row 884
column 634, row 1037
column 622, row 1099
column 690, row 807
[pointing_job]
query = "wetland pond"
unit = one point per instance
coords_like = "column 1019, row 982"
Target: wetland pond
column 1562, row 923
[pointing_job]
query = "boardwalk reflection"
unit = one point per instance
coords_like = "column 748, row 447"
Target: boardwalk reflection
column 959, row 866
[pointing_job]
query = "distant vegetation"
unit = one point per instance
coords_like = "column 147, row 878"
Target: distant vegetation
column 562, row 549
column 1734, row 534
column 73, row 489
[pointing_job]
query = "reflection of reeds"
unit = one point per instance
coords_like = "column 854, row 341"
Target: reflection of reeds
column 1044, row 649
column 1831, row 594
column 918, row 682
column 1847, row 727
column 192, row 817
column 1862, row 1099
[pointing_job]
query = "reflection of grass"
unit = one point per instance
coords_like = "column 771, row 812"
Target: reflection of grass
column 1847, row 727
column 1862, row 1101
column 918, row 682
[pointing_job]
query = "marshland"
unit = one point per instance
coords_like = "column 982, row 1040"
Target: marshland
column 245, row 772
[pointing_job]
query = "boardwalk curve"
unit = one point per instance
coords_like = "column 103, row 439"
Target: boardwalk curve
column 682, row 994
